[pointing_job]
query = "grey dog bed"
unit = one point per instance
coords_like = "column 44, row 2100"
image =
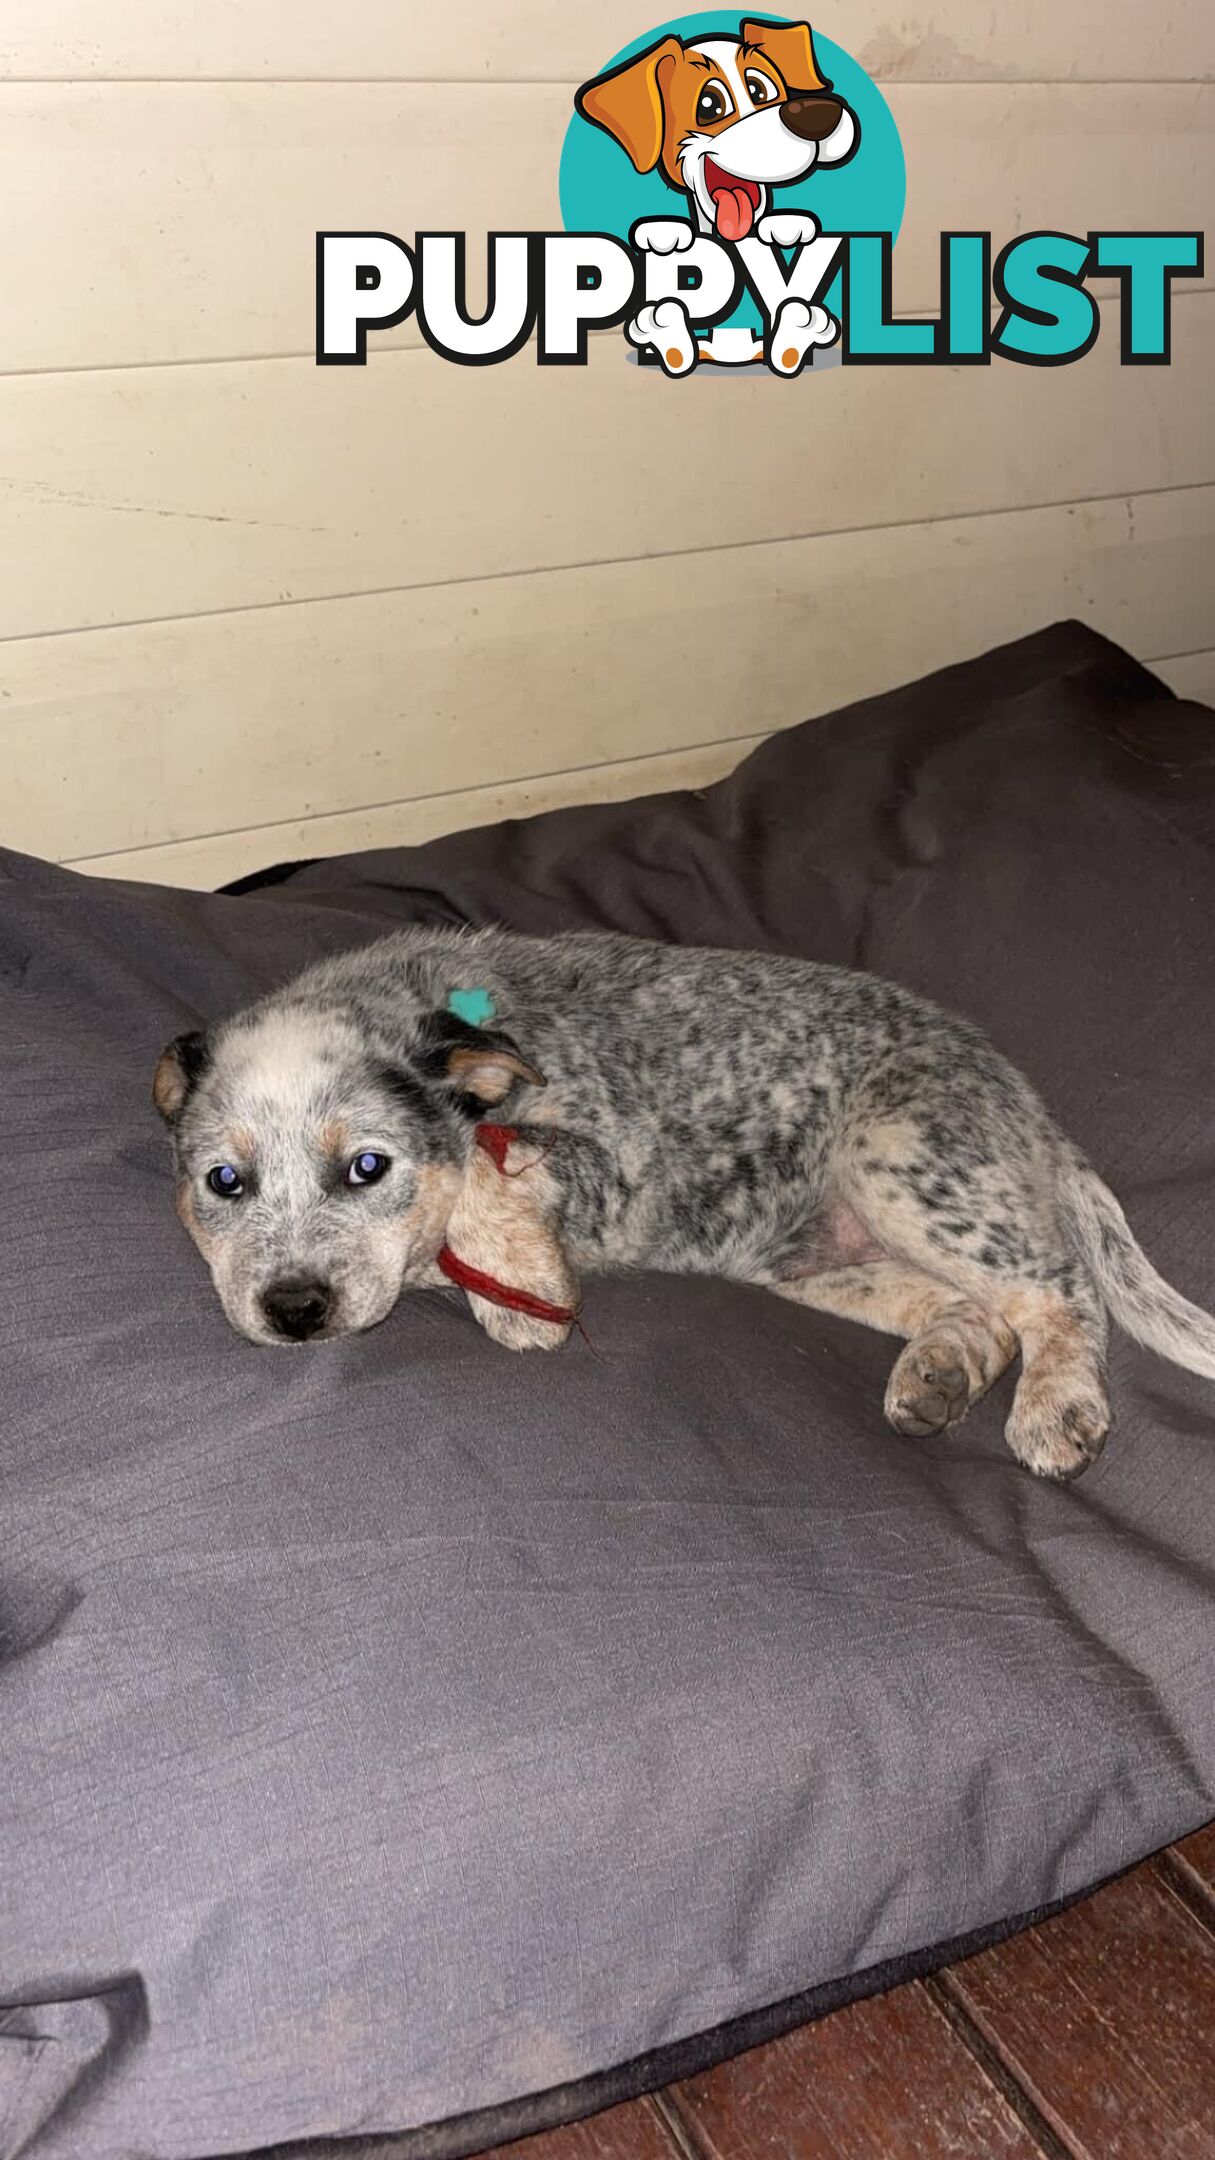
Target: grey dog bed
column 397, row 1731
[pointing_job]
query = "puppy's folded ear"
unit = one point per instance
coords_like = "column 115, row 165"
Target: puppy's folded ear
column 481, row 1064
column 791, row 47
column 627, row 102
column 179, row 1070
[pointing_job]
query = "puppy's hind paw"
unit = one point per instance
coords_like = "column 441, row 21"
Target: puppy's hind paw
column 664, row 325
column 928, row 1389
column 796, row 331
column 1055, row 1432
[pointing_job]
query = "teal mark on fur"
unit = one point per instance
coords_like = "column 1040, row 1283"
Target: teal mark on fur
column 474, row 1006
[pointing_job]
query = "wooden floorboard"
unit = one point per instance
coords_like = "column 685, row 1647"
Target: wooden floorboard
column 1199, row 1853
column 1105, row 2016
column 1189, row 1869
column 881, row 2080
column 1090, row 2037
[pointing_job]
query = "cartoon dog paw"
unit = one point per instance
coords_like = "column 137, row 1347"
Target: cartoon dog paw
column 787, row 228
column 662, row 235
column 664, row 325
column 795, row 333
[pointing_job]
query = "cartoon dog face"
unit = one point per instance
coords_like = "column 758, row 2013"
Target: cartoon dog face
column 725, row 119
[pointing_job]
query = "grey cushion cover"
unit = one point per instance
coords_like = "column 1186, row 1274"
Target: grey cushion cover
column 397, row 1728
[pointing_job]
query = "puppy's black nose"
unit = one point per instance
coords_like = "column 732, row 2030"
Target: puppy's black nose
column 297, row 1307
column 811, row 116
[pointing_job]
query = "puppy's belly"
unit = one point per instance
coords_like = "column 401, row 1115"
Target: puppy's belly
column 744, row 1237
column 837, row 1239
column 841, row 1240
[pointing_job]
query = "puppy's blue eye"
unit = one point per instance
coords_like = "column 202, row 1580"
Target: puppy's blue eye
column 226, row 1181
column 367, row 1169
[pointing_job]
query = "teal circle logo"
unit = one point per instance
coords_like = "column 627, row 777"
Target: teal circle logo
column 601, row 190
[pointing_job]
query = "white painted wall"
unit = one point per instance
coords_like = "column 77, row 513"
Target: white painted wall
column 252, row 608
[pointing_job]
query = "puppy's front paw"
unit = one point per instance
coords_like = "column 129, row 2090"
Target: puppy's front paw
column 787, row 228
column 517, row 1330
column 662, row 236
column 664, row 325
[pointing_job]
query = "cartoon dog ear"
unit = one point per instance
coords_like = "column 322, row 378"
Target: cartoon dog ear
column 812, row 110
column 627, row 102
column 790, row 47
column 179, row 1069
column 481, row 1064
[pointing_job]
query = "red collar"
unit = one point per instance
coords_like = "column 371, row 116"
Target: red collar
column 495, row 1140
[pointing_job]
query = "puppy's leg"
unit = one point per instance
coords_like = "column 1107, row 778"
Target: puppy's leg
column 1061, row 1410
column 502, row 1224
column 958, row 1346
column 987, row 1220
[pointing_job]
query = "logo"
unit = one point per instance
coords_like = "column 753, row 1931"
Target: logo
column 732, row 191
column 742, row 151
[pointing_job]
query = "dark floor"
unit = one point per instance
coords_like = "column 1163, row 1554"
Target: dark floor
column 1091, row 2037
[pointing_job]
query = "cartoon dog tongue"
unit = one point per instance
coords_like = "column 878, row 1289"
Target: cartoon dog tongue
column 732, row 211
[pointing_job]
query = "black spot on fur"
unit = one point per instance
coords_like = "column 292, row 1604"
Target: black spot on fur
column 193, row 1055
column 411, row 1093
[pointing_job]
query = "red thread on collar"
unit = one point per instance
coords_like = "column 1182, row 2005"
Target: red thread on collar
column 495, row 1140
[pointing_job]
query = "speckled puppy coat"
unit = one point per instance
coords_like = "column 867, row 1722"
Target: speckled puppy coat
column 820, row 1132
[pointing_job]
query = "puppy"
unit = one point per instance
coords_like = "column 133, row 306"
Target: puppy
column 819, row 1132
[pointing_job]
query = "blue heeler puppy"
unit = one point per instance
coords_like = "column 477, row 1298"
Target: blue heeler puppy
column 822, row 1133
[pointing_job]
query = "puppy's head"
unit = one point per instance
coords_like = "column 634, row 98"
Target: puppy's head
column 316, row 1166
column 725, row 119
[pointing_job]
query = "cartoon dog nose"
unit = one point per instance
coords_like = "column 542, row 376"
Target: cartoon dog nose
column 812, row 116
column 297, row 1306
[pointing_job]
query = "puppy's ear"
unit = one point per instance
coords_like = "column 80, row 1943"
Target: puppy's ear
column 627, row 102
column 790, row 47
column 481, row 1064
column 180, row 1068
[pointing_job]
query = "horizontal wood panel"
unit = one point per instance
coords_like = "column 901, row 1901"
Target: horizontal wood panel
column 126, row 738
column 1192, row 676
column 533, row 41
column 174, row 222
column 126, row 496
column 217, row 859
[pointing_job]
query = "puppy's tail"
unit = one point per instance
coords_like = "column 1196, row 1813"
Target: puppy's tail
column 1140, row 1300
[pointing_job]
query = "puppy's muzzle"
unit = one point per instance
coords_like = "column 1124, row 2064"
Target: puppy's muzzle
column 298, row 1306
column 812, row 117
